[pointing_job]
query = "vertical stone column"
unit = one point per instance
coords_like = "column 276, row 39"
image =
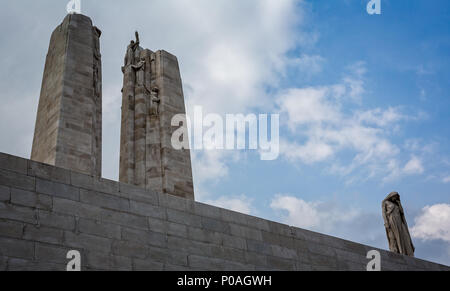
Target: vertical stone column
column 152, row 95
column 68, row 131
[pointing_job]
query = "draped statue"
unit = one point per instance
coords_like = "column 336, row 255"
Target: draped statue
column 396, row 227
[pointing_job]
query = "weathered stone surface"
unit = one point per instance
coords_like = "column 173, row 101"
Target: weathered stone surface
column 48, row 172
column 11, row 229
column 31, row 199
column 117, row 228
column 12, row 163
column 5, row 194
column 16, row 248
column 152, row 94
column 16, row 180
column 68, row 125
column 57, row 189
column 17, row 213
column 43, row 234
column 51, row 219
column 396, row 226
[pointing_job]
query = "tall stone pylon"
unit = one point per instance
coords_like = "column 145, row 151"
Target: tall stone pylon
column 152, row 95
column 68, row 131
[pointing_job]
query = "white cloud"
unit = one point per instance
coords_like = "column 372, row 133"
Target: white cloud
column 318, row 216
column 414, row 166
column 308, row 64
column 319, row 116
column 433, row 223
column 308, row 106
column 240, row 204
column 446, row 179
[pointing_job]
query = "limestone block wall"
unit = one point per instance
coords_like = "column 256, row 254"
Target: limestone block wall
column 68, row 131
column 46, row 211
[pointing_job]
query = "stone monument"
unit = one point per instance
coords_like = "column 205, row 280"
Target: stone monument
column 68, row 131
column 152, row 95
column 396, row 227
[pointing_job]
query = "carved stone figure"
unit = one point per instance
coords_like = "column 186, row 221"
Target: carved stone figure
column 154, row 102
column 140, row 72
column 129, row 57
column 147, row 156
column 396, row 227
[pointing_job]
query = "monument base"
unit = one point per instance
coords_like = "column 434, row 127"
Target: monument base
column 47, row 211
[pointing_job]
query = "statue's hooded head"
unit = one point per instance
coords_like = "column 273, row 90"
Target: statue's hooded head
column 393, row 197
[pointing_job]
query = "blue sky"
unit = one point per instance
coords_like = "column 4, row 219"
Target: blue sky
column 363, row 102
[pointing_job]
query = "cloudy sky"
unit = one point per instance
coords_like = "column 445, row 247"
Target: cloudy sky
column 363, row 101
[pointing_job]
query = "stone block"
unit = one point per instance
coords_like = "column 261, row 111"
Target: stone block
column 108, row 262
column 206, row 210
column 206, row 263
column 321, row 249
column 13, row 163
column 234, row 217
column 318, row 260
column 130, row 249
column 203, row 235
column 215, row 225
column 280, row 264
column 138, row 194
column 285, row 253
column 191, row 247
column 175, row 268
column 144, row 237
column 43, row 234
column 259, row 247
column 354, row 257
column 17, row 180
column 53, row 254
column 16, row 248
column 157, row 225
column 56, row 220
column 176, row 229
column 31, row 199
column 177, row 203
column 147, row 265
column 11, row 229
column 147, row 210
column 48, row 172
column 167, row 256
column 245, row 232
column 3, row 263
column 98, row 228
column 255, row 259
column 234, row 242
column 88, row 242
column 97, row 213
column 184, row 218
column 17, row 213
column 104, row 200
column 258, row 223
column 28, row 265
column 57, row 189
column 5, row 194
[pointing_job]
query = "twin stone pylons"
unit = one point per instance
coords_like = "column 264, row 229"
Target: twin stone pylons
column 68, row 132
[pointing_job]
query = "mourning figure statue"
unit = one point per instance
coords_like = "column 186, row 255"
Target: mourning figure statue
column 140, row 72
column 396, row 227
column 154, row 102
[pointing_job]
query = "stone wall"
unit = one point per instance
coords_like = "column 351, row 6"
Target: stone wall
column 46, row 211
